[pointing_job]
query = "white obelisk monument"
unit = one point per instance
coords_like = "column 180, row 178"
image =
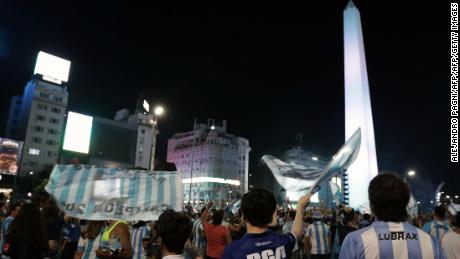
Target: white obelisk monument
column 358, row 111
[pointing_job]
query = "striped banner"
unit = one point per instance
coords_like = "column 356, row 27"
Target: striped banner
column 100, row 193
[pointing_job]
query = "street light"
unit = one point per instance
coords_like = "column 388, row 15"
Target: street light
column 159, row 110
column 314, row 158
column 447, row 196
column 411, row 173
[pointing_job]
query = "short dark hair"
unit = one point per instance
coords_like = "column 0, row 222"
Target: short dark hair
column 367, row 216
column 217, row 217
column 258, row 207
column 440, row 211
column 174, row 228
column 389, row 196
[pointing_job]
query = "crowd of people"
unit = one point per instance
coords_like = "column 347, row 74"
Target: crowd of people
column 36, row 228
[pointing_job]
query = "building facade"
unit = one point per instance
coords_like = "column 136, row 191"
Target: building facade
column 124, row 142
column 38, row 118
column 214, row 162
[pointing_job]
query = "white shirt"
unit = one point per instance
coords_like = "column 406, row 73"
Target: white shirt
column 173, row 257
column 451, row 245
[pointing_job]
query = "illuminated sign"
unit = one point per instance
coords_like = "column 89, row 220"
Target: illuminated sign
column 78, row 132
column 52, row 68
column 146, row 106
column 211, row 180
column 10, row 155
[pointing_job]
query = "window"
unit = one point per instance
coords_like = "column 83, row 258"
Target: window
column 42, row 106
column 43, row 95
column 36, row 140
column 38, row 128
column 40, row 117
column 51, row 142
column 54, row 120
column 34, row 151
column 57, row 99
column 48, row 153
column 52, row 131
column 55, row 110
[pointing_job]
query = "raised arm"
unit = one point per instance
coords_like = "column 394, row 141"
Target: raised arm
column 204, row 215
column 297, row 225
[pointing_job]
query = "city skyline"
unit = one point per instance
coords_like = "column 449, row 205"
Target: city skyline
column 269, row 76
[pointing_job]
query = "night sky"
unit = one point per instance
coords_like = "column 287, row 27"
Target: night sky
column 270, row 71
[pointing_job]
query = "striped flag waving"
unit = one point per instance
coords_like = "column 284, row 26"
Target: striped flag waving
column 100, row 193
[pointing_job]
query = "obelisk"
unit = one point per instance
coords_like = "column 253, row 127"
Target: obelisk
column 358, row 111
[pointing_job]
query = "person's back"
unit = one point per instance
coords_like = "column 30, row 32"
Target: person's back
column 389, row 236
column 140, row 234
column 389, row 240
column 319, row 235
column 259, row 212
column 437, row 227
column 26, row 238
column 451, row 240
column 217, row 235
column 199, row 238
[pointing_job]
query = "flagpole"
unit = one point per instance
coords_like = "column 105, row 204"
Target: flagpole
column 191, row 164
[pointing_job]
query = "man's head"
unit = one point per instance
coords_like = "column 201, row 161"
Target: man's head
column 174, row 229
column 440, row 212
column 389, row 196
column 258, row 207
column 217, row 217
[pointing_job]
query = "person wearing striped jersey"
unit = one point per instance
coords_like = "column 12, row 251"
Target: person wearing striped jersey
column 89, row 240
column 140, row 236
column 437, row 227
column 319, row 236
column 390, row 236
column 198, row 236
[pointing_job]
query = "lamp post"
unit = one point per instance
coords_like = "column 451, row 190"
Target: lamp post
column 158, row 111
column 191, row 164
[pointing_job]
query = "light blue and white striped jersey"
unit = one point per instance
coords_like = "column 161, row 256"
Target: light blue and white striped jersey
column 436, row 229
column 137, row 235
column 318, row 233
column 199, row 239
column 89, row 246
column 390, row 240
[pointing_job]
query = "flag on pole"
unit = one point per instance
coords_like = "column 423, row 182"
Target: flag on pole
column 100, row 193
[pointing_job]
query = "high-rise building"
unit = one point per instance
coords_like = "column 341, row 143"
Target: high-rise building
column 358, row 111
column 37, row 118
column 214, row 161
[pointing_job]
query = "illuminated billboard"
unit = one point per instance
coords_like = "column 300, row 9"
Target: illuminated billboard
column 78, row 132
column 10, row 155
column 146, row 106
column 52, row 68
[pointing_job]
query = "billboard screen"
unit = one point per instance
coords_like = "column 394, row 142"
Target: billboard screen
column 52, row 68
column 77, row 134
column 10, row 155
